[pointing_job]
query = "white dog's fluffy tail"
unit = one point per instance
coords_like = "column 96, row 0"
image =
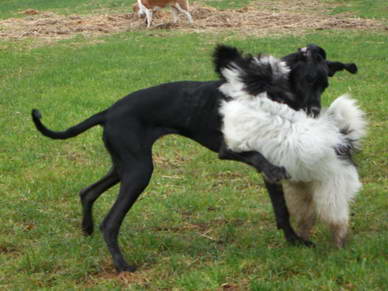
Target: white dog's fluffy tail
column 349, row 118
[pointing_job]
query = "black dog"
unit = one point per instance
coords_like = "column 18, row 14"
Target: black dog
column 190, row 109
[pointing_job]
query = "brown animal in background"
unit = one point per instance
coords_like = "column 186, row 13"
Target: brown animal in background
column 147, row 7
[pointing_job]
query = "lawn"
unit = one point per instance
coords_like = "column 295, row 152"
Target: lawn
column 202, row 224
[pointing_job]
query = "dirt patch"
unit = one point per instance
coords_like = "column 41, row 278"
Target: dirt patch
column 258, row 19
column 48, row 25
column 140, row 277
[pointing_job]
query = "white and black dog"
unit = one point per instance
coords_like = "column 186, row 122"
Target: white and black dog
column 192, row 109
column 316, row 152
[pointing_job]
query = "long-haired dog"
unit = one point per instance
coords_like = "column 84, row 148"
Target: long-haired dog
column 316, row 152
column 191, row 109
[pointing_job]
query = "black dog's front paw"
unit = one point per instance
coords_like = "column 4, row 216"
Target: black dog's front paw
column 275, row 174
column 87, row 228
column 125, row 268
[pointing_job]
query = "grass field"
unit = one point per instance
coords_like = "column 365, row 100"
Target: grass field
column 202, row 224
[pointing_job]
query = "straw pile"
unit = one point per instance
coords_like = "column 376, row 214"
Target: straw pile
column 259, row 19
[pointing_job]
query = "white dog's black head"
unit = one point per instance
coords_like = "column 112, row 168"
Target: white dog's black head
column 309, row 72
column 298, row 79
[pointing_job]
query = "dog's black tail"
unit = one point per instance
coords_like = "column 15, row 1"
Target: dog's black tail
column 97, row 119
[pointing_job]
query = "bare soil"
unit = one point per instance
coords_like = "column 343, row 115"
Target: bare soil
column 258, row 19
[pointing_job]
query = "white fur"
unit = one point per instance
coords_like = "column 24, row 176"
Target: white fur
column 303, row 145
column 279, row 68
column 142, row 9
column 303, row 49
column 233, row 88
column 348, row 116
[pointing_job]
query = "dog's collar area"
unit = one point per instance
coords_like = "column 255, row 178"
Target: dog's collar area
column 264, row 94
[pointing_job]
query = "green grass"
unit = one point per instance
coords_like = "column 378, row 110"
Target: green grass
column 227, row 4
column 13, row 8
column 202, row 222
column 363, row 8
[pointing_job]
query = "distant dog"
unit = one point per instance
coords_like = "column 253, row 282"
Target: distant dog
column 146, row 8
column 316, row 152
column 192, row 109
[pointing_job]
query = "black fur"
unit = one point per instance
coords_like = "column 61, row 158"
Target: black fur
column 190, row 109
column 257, row 77
column 345, row 151
column 309, row 76
column 301, row 89
column 222, row 57
column 337, row 66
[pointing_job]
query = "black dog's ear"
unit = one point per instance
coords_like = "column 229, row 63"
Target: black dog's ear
column 313, row 53
column 223, row 55
column 334, row 67
column 316, row 51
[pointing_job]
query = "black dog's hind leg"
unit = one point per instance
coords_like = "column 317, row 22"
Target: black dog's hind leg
column 90, row 194
column 255, row 159
column 134, row 174
column 282, row 215
column 132, row 158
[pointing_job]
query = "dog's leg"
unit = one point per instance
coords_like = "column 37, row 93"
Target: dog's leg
column 174, row 15
column 132, row 158
column 339, row 231
column 135, row 173
column 333, row 196
column 273, row 174
column 299, row 199
column 332, row 199
column 305, row 224
column 281, row 213
column 90, row 194
column 148, row 13
column 256, row 160
column 185, row 12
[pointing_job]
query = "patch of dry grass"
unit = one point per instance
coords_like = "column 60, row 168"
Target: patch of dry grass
column 259, row 19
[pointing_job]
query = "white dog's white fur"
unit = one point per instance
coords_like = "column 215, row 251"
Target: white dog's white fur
column 322, row 182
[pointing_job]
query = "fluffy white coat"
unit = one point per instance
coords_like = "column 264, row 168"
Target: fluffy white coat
column 322, row 183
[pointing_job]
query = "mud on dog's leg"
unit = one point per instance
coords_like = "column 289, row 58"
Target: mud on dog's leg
column 282, row 216
column 299, row 199
column 339, row 232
